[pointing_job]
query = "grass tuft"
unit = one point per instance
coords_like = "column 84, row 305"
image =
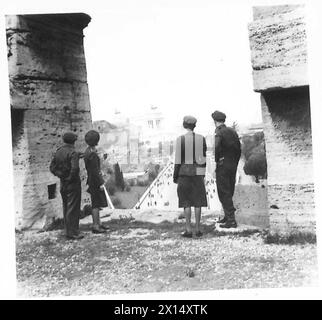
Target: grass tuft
column 291, row 239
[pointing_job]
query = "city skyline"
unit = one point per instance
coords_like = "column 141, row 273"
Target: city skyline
column 157, row 57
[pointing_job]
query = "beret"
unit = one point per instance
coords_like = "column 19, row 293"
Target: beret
column 92, row 137
column 69, row 137
column 218, row 116
column 189, row 120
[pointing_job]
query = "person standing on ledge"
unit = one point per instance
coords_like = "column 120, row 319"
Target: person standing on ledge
column 189, row 173
column 95, row 180
column 65, row 165
column 227, row 155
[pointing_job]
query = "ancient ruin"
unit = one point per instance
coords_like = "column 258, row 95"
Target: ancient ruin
column 278, row 45
column 49, row 95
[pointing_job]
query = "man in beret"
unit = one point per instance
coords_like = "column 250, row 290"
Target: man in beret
column 227, row 155
column 65, row 165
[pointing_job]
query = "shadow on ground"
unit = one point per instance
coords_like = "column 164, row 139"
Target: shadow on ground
column 141, row 256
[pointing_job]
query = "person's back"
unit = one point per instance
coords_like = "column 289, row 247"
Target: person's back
column 92, row 165
column 191, row 149
column 227, row 146
column 95, row 180
column 65, row 165
column 227, row 155
column 66, row 159
column 189, row 172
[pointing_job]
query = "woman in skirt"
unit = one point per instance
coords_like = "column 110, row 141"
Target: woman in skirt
column 95, row 180
column 189, row 174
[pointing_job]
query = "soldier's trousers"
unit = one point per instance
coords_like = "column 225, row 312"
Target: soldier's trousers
column 71, row 196
column 225, row 181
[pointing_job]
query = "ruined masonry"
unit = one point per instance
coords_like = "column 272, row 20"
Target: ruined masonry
column 49, row 95
column 279, row 61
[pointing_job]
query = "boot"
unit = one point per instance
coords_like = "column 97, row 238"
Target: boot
column 75, row 237
column 229, row 224
column 98, row 230
column 223, row 220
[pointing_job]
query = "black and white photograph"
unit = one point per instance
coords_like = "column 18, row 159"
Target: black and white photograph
column 160, row 147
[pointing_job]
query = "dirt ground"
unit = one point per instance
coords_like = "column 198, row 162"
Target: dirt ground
column 147, row 254
column 129, row 199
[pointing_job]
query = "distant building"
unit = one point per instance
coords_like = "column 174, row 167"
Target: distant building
column 103, row 126
column 137, row 140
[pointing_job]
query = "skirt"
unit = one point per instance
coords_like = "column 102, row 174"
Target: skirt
column 98, row 198
column 191, row 191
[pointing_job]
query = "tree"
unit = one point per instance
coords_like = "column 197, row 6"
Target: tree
column 250, row 142
column 119, row 180
column 256, row 164
column 235, row 126
column 153, row 170
column 253, row 150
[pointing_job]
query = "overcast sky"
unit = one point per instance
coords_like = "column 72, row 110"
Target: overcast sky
column 185, row 58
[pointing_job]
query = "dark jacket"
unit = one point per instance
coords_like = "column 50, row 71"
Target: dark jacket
column 93, row 167
column 227, row 147
column 67, row 158
column 191, row 150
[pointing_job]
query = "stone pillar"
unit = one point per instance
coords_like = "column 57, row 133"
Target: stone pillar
column 49, row 95
column 279, row 61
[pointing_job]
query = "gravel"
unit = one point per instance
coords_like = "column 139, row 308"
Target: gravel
column 140, row 256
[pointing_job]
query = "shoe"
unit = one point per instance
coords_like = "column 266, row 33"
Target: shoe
column 229, row 225
column 199, row 234
column 186, row 234
column 99, row 230
column 75, row 237
column 223, row 220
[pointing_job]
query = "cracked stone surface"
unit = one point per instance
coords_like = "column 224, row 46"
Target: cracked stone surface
column 48, row 96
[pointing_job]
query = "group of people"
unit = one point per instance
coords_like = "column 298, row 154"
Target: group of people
column 189, row 174
column 190, row 168
column 65, row 165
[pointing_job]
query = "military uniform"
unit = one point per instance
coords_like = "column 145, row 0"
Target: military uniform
column 67, row 158
column 227, row 155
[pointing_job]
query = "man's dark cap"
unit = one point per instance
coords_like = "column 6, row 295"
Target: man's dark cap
column 218, row 116
column 92, row 137
column 69, row 137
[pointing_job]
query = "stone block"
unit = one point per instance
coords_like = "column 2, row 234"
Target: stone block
column 43, row 94
column 278, row 46
column 251, row 205
column 288, row 140
column 49, row 96
column 279, row 61
column 37, row 47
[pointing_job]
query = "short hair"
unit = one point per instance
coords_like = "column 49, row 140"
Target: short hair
column 92, row 137
column 189, row 125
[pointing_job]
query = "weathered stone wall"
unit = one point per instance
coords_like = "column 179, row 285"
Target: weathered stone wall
column 286, row 116
column 250, row 202
column 49, row 95
column 279, row 61
column 250, row 199
column 278, row 47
